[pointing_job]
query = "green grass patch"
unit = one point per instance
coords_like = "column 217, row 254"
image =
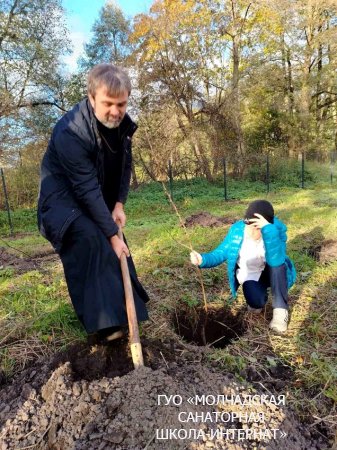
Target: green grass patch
column 23, row 220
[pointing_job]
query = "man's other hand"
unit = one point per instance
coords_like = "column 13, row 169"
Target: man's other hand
column 119, row 246
column 118, row 214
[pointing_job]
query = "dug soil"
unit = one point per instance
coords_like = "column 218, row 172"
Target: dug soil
column 89, row 397
column 205, row 219
column 21, row 262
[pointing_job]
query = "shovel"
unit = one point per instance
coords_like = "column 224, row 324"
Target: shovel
column 135, row 345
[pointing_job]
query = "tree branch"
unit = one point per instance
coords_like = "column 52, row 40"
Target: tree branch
column 327, row 103
column 323, row 92
column 41, row 103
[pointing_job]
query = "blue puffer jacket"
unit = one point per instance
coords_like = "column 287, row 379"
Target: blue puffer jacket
column 274, row 238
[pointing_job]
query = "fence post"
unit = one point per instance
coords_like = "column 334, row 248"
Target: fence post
column 171, row 178
column 225, row 178
column 6, row 202
column 267, row 174
column 331, row 168
column 302, row 172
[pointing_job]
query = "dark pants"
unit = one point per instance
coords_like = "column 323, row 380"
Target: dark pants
column 94, row 278
column 255, row 292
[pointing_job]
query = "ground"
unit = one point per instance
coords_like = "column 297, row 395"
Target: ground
column 89, row 397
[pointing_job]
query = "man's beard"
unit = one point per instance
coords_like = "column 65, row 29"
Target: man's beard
column 111, row 123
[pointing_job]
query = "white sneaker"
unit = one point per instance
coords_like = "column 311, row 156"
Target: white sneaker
column 279, row 323
column 254, row 310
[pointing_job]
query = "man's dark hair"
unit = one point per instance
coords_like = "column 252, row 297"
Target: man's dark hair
column 114, row 78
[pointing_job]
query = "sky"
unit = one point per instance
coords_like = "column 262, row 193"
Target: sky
column 81, row 15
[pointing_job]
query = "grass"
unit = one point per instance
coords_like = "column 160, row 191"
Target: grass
column 35, row 308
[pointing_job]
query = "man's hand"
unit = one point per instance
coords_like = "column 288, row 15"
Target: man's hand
column 118, row 214
column 259, row 222
column 119, row 246
column 196, row 258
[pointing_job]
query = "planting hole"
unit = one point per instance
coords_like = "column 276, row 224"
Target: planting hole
column 217, row 327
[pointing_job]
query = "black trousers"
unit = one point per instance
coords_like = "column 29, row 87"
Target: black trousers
column 94, row 278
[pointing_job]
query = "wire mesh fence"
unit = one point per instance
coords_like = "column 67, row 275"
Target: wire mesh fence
column 269, row 173
column 257, row 173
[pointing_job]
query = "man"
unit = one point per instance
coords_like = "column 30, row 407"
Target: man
column 85, row 177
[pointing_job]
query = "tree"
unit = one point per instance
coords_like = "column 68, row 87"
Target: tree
column 110, row 38
column 306, row 43
column 173, row 53
column 32, row 38
column 159, row 142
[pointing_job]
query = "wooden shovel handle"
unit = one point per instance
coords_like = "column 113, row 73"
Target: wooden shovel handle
column 136, row 348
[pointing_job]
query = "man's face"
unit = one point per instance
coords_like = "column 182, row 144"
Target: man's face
column 110, row 111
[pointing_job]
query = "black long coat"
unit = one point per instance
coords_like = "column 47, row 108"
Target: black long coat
column 75, row 217
column 72, row 174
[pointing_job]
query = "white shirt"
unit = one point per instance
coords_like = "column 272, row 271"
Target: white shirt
column 251, row 259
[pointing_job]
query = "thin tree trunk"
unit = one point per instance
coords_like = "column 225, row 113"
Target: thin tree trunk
column 135, row 183
column 146, row 169
column 202, row 158
column 236, row 99
column 318, row 86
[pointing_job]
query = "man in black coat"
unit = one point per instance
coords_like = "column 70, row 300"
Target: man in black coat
column 85, row 177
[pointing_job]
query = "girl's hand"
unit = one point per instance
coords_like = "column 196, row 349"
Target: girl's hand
column 196, row 258
column 259, row 222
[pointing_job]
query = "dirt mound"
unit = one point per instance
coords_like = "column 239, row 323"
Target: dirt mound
column 324, row 252
column 24, row 263
column 172, row 404
column 205, row 219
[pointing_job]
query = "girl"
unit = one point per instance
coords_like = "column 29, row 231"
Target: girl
column 255, row 252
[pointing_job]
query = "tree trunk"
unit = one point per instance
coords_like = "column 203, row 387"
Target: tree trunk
column 200, row 154
column 318, row 86
column 197, row 146
column 238, row 157
column 289, row 93
column 287, row 76
column 135, row 183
